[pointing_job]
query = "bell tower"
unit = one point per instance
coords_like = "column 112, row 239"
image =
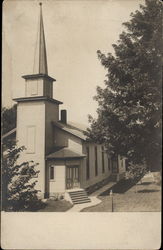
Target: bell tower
column 36, row 111
column 39, row 83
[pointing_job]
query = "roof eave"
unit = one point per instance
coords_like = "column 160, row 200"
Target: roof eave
column 37, row 98
column 62, row 128
column 64, row 158
column 34, row 76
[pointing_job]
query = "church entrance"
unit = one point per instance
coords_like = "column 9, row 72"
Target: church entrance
column 72, row 177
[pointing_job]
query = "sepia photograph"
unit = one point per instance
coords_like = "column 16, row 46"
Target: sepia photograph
column 81, row 106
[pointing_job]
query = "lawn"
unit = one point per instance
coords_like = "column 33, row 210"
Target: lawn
column 56, row 206
column 125, row 199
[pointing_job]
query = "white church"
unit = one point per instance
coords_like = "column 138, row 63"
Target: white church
column 68, row 163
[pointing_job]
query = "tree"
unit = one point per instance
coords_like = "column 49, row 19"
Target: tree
column 8, row 118
column 8, row 123
column 18, row 187
column 129, row 107
column 136, row 172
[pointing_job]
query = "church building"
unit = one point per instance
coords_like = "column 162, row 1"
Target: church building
column 67, row 161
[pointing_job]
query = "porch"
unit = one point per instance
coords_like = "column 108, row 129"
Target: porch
column 63, row 171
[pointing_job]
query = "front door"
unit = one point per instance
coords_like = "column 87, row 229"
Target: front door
column 72, row 177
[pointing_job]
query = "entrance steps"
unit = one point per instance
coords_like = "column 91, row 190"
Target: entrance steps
column 79, row 196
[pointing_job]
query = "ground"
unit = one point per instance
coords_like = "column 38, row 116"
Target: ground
column 56, row 206
column 126, row 199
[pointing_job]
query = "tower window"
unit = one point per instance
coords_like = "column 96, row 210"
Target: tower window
column 34, row 88
column 31, row 134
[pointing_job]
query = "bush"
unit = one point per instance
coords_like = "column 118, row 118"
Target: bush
column 18, row 187
column 136, row 172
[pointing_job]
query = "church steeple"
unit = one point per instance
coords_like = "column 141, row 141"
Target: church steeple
column 40, row 83
column 43, row 67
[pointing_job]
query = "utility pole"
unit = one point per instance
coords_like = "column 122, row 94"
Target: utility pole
column 112, row 202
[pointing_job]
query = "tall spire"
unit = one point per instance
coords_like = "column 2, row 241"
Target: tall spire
column 39, row 84
column 40, row 62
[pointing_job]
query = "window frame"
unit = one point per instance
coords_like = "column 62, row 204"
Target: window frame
column 31, row 145
column 109, row 163
column 96, row 161
column 87, row 163
column 103, row 159
column 52, row 167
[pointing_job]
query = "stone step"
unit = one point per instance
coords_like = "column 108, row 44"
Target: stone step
column 77, row 202
column 77, row 192
column 76, row 195
column 79, row 197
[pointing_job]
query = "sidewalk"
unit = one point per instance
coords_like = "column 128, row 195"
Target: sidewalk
column 94, row 200
column 103, row 189
column 78, row 207
column 146, row 199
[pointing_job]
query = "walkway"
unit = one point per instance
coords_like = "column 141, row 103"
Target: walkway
column 94, row 200
column 144, row 197
column 78, row 207
column 103, row 189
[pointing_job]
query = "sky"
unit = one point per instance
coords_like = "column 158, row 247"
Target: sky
column 74, row 31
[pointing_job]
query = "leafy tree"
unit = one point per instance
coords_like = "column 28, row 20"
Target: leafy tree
column 18, row 187
column 136, row 172
column 8, row 123
column 129, row 111
column 8, row 118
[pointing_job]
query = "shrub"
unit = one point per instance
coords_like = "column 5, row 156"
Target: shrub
column 18, row 186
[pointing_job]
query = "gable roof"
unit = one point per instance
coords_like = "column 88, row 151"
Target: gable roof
column 79, row 126
column 71, row 129
column 77, row 130
column 64, row 153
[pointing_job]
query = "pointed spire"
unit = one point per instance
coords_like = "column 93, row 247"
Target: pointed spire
column 40, row 61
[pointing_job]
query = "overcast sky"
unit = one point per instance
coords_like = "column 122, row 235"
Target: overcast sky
column 74, row 31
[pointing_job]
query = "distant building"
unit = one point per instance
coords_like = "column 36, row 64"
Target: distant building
column 67, row 161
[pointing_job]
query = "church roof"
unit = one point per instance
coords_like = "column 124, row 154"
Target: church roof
column 82, row 127
column 64, row 153
column 71, row 129
column 77, row 130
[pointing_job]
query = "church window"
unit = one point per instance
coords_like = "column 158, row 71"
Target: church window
column 31, row 131
column 87, row 164
column 109, row 164
column 103, row 166
column 51, row 172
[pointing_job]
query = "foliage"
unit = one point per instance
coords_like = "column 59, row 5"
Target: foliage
column 136, row 172
column 18, row 187
column 8, row 119
column 129, row 111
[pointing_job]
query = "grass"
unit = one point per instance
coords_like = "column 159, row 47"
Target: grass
column 120, row 187
column 125, row 199
column 56, row 206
